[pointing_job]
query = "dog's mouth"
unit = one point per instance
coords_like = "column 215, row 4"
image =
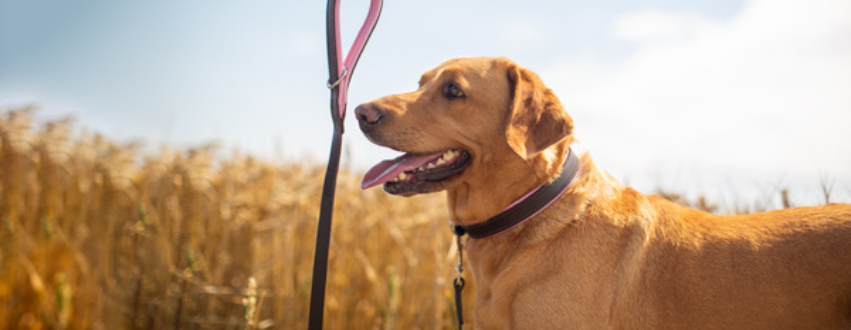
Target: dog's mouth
column 417, row 173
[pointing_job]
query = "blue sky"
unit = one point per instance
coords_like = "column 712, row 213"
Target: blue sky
column 735, row 99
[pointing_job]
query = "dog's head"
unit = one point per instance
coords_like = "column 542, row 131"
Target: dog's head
column 472, row 119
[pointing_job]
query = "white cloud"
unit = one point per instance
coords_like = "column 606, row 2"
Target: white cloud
column 764, row 96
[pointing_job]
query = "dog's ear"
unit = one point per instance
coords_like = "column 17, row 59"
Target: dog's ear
column 536, row 119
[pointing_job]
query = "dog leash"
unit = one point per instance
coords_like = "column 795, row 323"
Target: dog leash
column 521, row 210
column 340, row 74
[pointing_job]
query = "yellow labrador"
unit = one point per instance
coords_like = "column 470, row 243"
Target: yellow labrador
column 488, row 131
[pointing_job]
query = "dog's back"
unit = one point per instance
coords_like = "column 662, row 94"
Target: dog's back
column 785, row 269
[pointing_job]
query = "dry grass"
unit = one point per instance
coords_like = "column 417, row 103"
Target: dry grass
column 96, row 236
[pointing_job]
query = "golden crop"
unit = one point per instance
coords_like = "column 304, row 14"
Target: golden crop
column 96, row 236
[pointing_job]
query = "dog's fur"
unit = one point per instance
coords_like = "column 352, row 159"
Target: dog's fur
column 605, row 256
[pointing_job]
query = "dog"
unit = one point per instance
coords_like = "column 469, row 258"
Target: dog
column 602, row 256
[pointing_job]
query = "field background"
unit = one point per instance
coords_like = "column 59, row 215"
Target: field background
column 98, row 235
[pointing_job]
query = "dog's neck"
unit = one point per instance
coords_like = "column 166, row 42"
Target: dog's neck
column 475, row 202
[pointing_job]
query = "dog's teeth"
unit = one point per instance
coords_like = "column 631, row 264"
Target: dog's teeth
column 431, row 165
column 402, row 176
column 441, row 161
column 421, row 168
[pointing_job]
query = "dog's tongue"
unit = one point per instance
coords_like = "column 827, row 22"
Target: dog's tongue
column 389, row 169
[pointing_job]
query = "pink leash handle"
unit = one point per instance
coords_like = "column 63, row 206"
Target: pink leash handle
column 341, row 70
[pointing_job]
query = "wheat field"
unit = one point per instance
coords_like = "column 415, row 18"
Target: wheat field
column 98, row 235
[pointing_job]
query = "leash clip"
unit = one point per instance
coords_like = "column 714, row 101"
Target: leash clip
column 458, row 283
column 459, row 267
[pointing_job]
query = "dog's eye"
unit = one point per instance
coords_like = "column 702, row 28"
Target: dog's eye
column 452, row 92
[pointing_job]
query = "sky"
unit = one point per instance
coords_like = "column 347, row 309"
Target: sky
column 731, row 99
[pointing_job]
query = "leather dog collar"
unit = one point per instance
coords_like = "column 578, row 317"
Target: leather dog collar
column 525, row 208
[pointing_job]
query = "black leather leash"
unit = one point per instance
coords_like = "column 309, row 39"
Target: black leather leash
column 339, row 78
column 520, row 212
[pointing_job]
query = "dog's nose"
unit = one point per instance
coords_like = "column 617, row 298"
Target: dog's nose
column 368, row 115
